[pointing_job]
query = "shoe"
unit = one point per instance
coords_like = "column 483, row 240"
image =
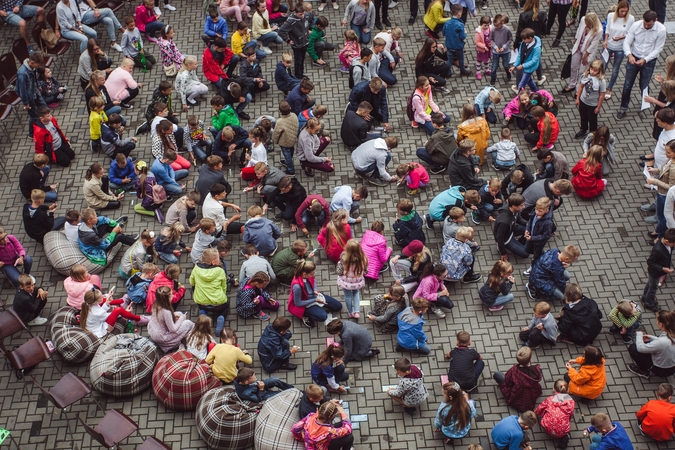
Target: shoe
column 637, row 371
column 564, row 339
column 527, row 272
column 143, row 321
column 378, row 25
column 121, row 220
column 653, row 308
column 288, row 366
column 533, row 347
column 322, row 6
column 505, row 123
column 117, row 47
column 414, row 124
column 411, row 20
column 393, row 5
column 650, row 207
column 157, row 11
column 126, row 106
column 335, row 6
column 580, row 134
column 53, row 105
column 31, row 50
column 309, row 171
column 437, row 311
column 386, row 23
column 627, row 341
column 37, row 321
column 414, row 191
column 344, row 69
column 318, row 64
column 608, row 95
column 142, row 128
column 443, row 89
column 262, row 316
column 645, row 158
column 356, row 315
column 170, row 7
column 267, row 50
column 377, row 181
column 621, row 114
column 428, row 222
column 474, row 217
column 154, row 40
column 566, row 90
column 437, row 170
column 643, row 165
column 220, row 324
column 384, row 268
column 484, row 5
column 540, row 81
column 496, row 308
column 556, row 43
column 479, row 76
column 514, row 88
column 410, row 410
column 374, row 351
column 530, row 292
column 309, row 323
column 465, row 73
column 244, row 116
column 474, row 279
column 651, row 219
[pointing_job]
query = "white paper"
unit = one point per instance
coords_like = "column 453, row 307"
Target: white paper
column 514, row 55
column 605, row 56
column 645, row 104
column 648, row 176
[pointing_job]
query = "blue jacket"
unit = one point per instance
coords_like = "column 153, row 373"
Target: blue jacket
column 26, row 85
column 507, row 434
column 285, row 81
column 548, row 273
column 540, row 231
column 616, row 439
column 274, row 348
column 212, row 28
column 296, row 98
column 220, row 146
column 454, row 33
column 531, row 58
column 410, row 333
column 441, row 204
column 91, row 244
column 164, row 174
column 117, row 174
column 137, row 288
column 262, row 233
column 250, row 392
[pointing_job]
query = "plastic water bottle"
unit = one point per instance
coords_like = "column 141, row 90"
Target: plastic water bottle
column 130, row 327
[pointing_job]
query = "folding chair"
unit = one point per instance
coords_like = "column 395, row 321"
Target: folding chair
column 113, row 428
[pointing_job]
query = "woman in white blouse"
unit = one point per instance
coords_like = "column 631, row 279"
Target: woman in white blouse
column 618, row 24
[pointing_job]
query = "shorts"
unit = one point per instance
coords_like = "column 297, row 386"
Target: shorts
column 25, row 12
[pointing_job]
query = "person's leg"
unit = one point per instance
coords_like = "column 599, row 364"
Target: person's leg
column 180, row 174
column 299, row 62
column 649, row 293
column 504, row 299
column 517, row 248
column 345, row 442
column 583, row 117
column 349, row 296
column 631, row 74
column 12, row 273
column 414, row 8
column 120, row 312
column 498, row 377
column 423, row 349
column 424, row 155
column 642, row 360
column 532, row 137
column 401, row 269
column 123, row 238
column 75, row 36
column 288, row 159
column 316, row 313
column 172, row 189
column 168, row 258
column 444, row 301
column 332, row 304
column 428, row 127
column 385, row 73
column 616, row 67
column 132, row 95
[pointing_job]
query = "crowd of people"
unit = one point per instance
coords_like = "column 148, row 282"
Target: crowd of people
column 519, row 204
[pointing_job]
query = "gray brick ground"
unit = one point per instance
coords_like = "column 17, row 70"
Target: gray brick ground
column 609, row 230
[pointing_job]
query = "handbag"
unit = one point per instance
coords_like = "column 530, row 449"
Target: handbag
column 566, row 68
column 170, row 71
column 49, row 38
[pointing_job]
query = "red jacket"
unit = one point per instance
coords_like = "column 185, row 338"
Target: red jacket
column 520, row 390
column 161, row 280
column 143, row 17
column 555, row 129
column 587, row 184
column 336, row 248
column 555, row 414
column 657, row 418
column 298, row 311
column 213, row 70
column 43, row 138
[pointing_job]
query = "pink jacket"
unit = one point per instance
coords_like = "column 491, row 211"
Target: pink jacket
column 374, row 245
column 143, row 17
column 76, row 290
column 420, row 108
column 11, row 251
column 118, row 82
column 418, row 176
column 512, row 108
column 428, row 288
column 351, row 50
column 479, row 40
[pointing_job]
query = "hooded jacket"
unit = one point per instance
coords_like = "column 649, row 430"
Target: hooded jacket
column 286, row 130
column 457, row 257
column 137, row 288
column 29, row 179
column 213, row 63
column 548, row 273
column 589, row 381
column 117, row 173
column 220, row 145
column 37, row 222
column 441, row 145
column 520, row 389
column 269, row 184
column 504, row 226
column 581, row 323
column 284, row 79
column 208, row 177
column 407, row 229
column 410, row 332
column 273, row 348
column 555, row 414
column 411, row 388
column 178, row 212
column 210, row 284
column 372, row 152
column 354, row 129
column 296, row 30
column 336, row 248
column 284, row 263
column 44, row 143
column 306, row 407
column 246, row 295
column 177, row 290
column 526, row 20
column 75, row 291
column 461, row 171
column 374, row 246
column 94, row 195
column 306, row 204
column 587, row 184
column 540, row 232
column 455, row 34
column 110, row 140
column 262, row 233
column 211, row 28
column 478, row 130
column 294, row 197
column 530, row 57
column 92, row 245
column 537, row 190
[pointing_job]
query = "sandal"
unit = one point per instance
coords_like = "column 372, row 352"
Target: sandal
column 570, row 22
column 646, row 158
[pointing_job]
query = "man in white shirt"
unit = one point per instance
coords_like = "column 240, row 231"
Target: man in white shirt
column 214, row 208
column 92, row 15
column 642, row 46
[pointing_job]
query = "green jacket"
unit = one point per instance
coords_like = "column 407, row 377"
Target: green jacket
column 226, row 116
column 210, row 285
column 315, row 36
column 284, row 264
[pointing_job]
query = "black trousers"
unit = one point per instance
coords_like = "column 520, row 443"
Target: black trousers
column 644, row 361
column 104, row 230
column 64, row 155
column 384, row 4
column 345, row 442
column 299, row 61
column 559, row 11
column 589, row 119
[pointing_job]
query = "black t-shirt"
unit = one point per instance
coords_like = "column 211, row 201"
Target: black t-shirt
column 461, row 366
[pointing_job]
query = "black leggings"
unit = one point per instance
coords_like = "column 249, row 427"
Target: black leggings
column 132, row 95
column 384, row 4
column 644, row 361
column 299, row 61
column 559, row 11
column 104, row 230
column 345, row 442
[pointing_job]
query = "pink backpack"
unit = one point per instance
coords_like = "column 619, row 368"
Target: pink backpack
column 158, row 194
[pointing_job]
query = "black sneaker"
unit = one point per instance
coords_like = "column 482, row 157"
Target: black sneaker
column 309, row 323
column 386, row 23
column 288, row 366
column 428, row 222
column 318, row 64
column 533, row 347
column 556, row 43
column 378, row 25
column 409, row 410
column 377, row 181
column 474, row 217
column 473, row 279
column 614, row 329
column 637, row 371
column 621, row 114
column 126, row 106
column 466, row 73
column 243, row 115
column 283, row 163
column 581, row 134
column 121, row 220
column 411, row 20
column 437, row 170
column 530, row 291
column 384, row 268
column 143, row 128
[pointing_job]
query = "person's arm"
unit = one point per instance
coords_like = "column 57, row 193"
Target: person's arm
column 669, row 208
column 630, row 37
column 311, row 46
column 398, row 391
column 501, row 233
column 658, row 46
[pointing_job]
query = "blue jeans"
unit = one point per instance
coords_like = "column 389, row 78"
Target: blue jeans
column 456, row 55
column 116, row 110
column 72, row 35
column 506, row 60
column 268, row 38
column 364, row 38
column 616, row 66
column 12, row 272
column 660, row 216
column 649, row 293
column 107, row 16
column 632, row 72
column 288, row 159
column 517, row 248
column 202, row 149
column 152, row 28
column 273, row 383
column 423, row 349
column 503, row 299
column 424, row 155
column 308, row 219
column 429, row 127
column 385, row 71
column 168, row 258
column 52, row 195
column 242, row 105
column 258, row 53
column 485, row 210
column 373, row 168
column 352, row 300
column 318, row 313
column 557, row 294
column 525, row 80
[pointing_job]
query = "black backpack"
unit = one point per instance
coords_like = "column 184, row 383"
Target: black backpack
column 351, row 76
column 409, row 107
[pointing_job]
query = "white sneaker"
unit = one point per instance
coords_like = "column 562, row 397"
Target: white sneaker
column 438, row 312
column 393, row 5
column 322, row 6
column 37, row 321
column 170, row 7
column 542, row 81
column 116, row 46
column 528, row 271
column 267, row 50
column 157, row 11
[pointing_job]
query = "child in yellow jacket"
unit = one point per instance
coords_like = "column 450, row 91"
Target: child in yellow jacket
column 96, row 118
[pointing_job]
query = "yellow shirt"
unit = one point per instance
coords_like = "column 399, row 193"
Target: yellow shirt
column 95, row 121
column 223, row 360
column 434, row 16
column 239, row 41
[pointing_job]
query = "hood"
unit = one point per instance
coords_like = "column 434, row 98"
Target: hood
column 525, row 380
column 415, row 372
column 216, row 55
column 458, row 159
column 257, row 223
column 75, row 289
column 356, row 62
column 208, row 273
column 380, row 144
column 373, row 238
column 584, row 308
column 409, row 318
column 31, row 211
column 84, row 228
column 563, row 398
column 412, row 220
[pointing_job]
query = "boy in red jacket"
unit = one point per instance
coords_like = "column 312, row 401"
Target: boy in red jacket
column 656, row 417
column 214, row 60
column 50, row 140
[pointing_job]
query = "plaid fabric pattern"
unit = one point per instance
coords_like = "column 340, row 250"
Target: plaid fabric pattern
column 73, row 343
column 62, row 317
column 277, row 416
column 224, row 422
column 180, row 379
column 123, row 365
column 62, row 255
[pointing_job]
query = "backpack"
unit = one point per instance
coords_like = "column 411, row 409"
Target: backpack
column 158, row 194
column 409, row 107
column 351, row 75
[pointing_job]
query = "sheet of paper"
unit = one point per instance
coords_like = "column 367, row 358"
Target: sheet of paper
column 647, row 176
column 645, row 105
column 514, row 55
column 605, row 56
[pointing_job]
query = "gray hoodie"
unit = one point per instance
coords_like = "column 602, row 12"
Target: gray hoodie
column 357, row 341
column 360, row 72
column 255, row 264
column 201, row 243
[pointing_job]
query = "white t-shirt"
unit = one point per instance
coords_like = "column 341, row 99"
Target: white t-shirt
column 213, row 209
column 617, row 28
column 258, row 154
column 71, row 233
column 155, row 122
column 660, row 149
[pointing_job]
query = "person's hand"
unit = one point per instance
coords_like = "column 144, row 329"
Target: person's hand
column 125, row 180
column 646, row 339
column 121, row 196
column 27, row 107
column 320, row 61
column 477, row 170
column 650, row 99
column 565, row 265
column 358, row 219
column 432, row 79
column 294, row 227
column 344, row 22
column 247, row 157
column 117, row 229
column 512, row 69
column 386, row 126
column 53, row 207
column 597, row 110
column 511, row 279
column 290, row 42
column 294, row 350
column 219, row 35
column 261, row 385
column 371, row 317
column 193, row 229
column 667, row 270
column 134, row 139
column 505, row 258
column 42, row 293
column 659, row 78
column 556, row 202
column 275, row 27
column 256, row 300
column 366, row 30
column 176, row 252
column 185, row 108
column 311, row 255
column 245, row 352
column 444, row 292
column 576, row 101
column 631, row 59
column 235, row 217
column 305, row 231
column 3, row 13
column 395, row 259
column 19, row 261
column 604, row 44
column 272, row 302
column 640, row 62
column 524, row 328
column 392, row 65
column 394, row 179
column 540, row 326
column 568, row 365
column 2, row 263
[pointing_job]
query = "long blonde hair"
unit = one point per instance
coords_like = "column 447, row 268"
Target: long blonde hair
column 670, row 67
column 623, row 4
column 593, row 158
column 593, row 18
column 353, row 258
column 499, row 272
column 597, row 65
column 335, row 230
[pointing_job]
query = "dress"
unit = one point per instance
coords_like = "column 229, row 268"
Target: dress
column 167, row 333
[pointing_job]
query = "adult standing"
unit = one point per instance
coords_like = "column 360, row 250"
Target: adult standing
column 121, row 83
column 91, row 60
column 618, row 24
column 96, row 190
column 559, row 9
column 69, row 22
column 658, row 6
column 663, row 177
column 532, row 17
column 360, row 15
column 509, row 228
column 27, row 88
column 429, row 63
column 375, row 93
column 642, row 46
column 91, row 15
column 655, row 354
column 370, row 160
column 584, row 50
column 14, row 12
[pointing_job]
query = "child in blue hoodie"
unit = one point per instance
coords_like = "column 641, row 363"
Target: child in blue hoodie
column 513, row 432
column 528, row 59
column 137, row 285
column 410, row 335
column 214, row 26
column 612, row 434
column 261, row 232
column 283, row 76
column 247, row 386
column 122, row 173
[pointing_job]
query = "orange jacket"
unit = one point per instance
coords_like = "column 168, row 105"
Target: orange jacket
column 588, row 381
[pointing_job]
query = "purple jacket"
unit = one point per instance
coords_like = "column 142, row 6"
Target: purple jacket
column 11, row 251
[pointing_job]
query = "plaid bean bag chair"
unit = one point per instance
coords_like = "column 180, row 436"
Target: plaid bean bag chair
column 224, row 422
column 180, row 379
column 123, row 365
column 277, row 416
column 62, row 254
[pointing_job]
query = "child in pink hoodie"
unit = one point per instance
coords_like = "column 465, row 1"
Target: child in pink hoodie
column 432, row 289
column 374, row 245
column 79, row 283
column 415, row 176
column 483, row 47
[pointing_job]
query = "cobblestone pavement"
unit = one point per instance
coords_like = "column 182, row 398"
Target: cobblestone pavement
column 609, row 230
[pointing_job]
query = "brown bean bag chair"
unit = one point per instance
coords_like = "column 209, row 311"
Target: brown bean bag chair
column 224, row 422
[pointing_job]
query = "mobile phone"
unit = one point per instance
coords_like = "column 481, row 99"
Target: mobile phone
column 111, row 291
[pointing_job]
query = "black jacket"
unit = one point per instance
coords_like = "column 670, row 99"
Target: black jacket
column 354, row 131
column 503, row 227
column 528, row 179
column 362, row 93
column 225, row 92
column 25, row 305
column 220, row 146
column 658, row 259
column 461, row 171
column 525, row 21
column 296, row 30
column 306, row 407
column 406, row 231
column 39, row 223
column 581, row 324
column 293, row 198
column 428, row 66
column 29, row 179
column 208, row 177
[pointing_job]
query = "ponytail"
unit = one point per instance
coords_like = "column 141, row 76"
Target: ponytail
column 547, row 129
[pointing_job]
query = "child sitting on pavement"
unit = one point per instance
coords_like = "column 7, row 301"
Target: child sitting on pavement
column 626, row 318
column 247, row 386
column 543, row 327
column 411, row 391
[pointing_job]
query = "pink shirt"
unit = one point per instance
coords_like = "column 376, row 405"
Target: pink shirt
column 118, row 82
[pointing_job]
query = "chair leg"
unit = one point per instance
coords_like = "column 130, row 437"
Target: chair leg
column 18, row 116
column 4, row 129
